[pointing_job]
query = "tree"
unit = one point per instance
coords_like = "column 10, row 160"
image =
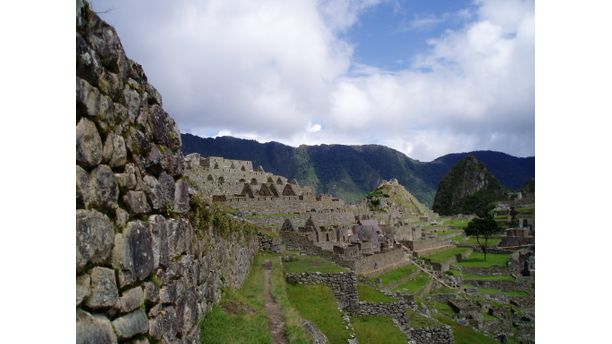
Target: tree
column 482, row 228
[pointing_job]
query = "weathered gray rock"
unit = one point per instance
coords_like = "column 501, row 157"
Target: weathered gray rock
column 130, row 179
column 181, row 197
column 154, row 192
column 114, row 152
column 82, row 181
column 137, row 202
column 159, row 236
column 139, row 341
column 121, row 217
column 165, row 131
column 164, row 325
column 173, row 163
column 151, row 294
column 131, row 324
column 137, row 142
column 94, row 237
column 167, row 293
column 131, row 299
column 103, row 190
column 133, row 253
column 153, row 161
column 82, row 288
column 187, row 311
column 88, row 144
column 93, row 329
column 318, row 337
column 179, row 234
column 103, row 288
column 132, row 98
column 166, row 184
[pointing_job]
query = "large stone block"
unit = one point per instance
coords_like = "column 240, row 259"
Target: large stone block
column 154, row 192
column 114, row 152
column 103, row 288
column 88, row 144
column 103, row 190
column 93, row 329
column 164, row 325
column 131, row 324
column 181, row 197
column 159, row 236
column 94, row 237
column 82, row 288
column 131, row 299
column 137, row 202
column 164, row 129
column 166, row 184
column 187, row 311
column 180, row 233
column 133, row 253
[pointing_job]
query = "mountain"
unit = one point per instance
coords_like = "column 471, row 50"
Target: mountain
column 393, row 199
column 351, row 172
column 467, row 187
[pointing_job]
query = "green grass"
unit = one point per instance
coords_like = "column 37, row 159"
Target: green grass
column 487, row 317
column 419, row 321
column 476, row 260
column 526, row 211
column 414, row 285
column 466, row 335
column 367, row 293
column 241, row 317
column 312, row 264
column 457, row 223
column 516, row 293
column 475, row 277
column 317, row 304
column 395, row 275
column 492, row 242
column 377, row 329
column 446, row 255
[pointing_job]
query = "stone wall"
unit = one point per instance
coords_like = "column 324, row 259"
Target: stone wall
column 432, row 335
column 143, row 272
column 342, row 284
column 378, row 261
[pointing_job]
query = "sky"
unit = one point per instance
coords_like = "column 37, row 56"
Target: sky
column 427, row 78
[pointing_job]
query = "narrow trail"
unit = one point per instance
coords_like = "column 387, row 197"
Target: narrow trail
column 276, row 323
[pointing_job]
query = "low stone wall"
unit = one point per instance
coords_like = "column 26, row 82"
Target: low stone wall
column 342, row 284
column 432, row 335
column 269, row 243
column 378, row 261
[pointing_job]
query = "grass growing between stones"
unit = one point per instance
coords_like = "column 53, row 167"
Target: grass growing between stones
column 492, row 242
column 420, row 321
column 476, row 260
column 377, row 329
column 475, row 277
column 312, row 264
column 317, row 304
column 446, row 255
column 464, row 334
column 371, row 294
column 414, row 285
column 395, row 275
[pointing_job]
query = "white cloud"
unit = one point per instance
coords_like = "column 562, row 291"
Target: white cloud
column 281, row 70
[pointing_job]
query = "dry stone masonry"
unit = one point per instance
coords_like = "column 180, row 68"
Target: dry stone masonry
column 144, row 272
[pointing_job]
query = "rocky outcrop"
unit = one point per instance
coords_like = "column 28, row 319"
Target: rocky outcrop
column 467, row 187
column 145, row 272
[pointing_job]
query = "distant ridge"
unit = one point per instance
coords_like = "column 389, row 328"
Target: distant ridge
column 351, row 172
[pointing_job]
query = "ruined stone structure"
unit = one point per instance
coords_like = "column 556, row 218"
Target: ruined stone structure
column 144, row 273
column 517, row 237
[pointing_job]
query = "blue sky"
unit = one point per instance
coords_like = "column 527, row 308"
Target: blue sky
column 391, row 34
column 424, row 77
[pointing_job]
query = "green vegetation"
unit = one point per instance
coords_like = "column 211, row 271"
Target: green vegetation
column 516, row 293
column 414, row 285
column 456, row 223
column 482, row 228
column 446, row 255
column 367, row 293
column 311, row 264
column 241, row 317
column 377, row 329
column 265, row 216
column 475, row 277
column 202, row 216
column 476, row 260
column 419, row 321
column 494, row 241
column 464, row 334
column 317, row 304
column 397, row 274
